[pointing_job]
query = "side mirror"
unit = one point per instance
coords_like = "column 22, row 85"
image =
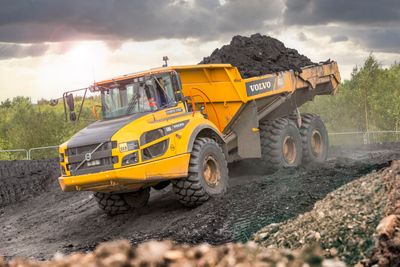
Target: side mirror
column 71, row 107
column 53, row 102
column 179, row 96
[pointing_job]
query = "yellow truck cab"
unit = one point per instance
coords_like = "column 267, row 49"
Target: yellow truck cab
column 183, row 124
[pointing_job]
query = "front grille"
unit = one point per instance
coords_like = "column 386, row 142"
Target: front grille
column 102, row 156
column 74, row 151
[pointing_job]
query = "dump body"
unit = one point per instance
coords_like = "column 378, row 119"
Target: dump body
column 215, row 101
column 226, row 93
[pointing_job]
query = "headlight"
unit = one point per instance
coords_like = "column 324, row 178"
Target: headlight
column 128, row 146
column 130, row 159
column 155, row 150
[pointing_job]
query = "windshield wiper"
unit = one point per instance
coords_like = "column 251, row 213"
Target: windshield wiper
column 132, row 103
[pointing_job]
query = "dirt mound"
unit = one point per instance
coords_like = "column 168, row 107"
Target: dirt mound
column 387, row 243
column 343, row 222
column 21, row 180
column 120, row 253
column 258, row 55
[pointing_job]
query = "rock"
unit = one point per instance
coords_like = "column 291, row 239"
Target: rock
column 387, row 226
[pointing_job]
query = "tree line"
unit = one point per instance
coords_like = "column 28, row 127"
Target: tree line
column 369, row 100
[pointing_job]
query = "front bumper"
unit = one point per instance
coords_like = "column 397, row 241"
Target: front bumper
column 128, row 178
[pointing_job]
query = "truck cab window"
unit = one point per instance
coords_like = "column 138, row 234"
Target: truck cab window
column 147, row 95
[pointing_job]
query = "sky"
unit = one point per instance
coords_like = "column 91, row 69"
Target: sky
column 50, row 46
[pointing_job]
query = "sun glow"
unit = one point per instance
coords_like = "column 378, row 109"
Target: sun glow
column 79, row 67
column 88, row 53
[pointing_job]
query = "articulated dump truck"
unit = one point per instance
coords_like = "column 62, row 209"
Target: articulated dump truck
column 183, row 125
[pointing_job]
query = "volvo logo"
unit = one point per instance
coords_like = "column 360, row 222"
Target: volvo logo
column 260, row 86
column 88, row 156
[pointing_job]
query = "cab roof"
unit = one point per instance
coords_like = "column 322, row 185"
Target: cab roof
column 161, row 70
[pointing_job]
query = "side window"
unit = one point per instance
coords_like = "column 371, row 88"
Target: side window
column 115, row 99
column 167, row 83
column 123, row 96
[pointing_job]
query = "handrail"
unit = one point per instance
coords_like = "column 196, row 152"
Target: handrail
column 29, row 157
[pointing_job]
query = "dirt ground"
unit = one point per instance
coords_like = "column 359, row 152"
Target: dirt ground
column 54, row 221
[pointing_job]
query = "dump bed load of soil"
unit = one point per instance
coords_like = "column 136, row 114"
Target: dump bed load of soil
column 258, row 55
column 121, row 254
column 343, row 223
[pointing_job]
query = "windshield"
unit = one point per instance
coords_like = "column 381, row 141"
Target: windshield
column 142, row 95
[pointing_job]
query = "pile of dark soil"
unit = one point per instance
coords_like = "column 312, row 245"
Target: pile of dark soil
column 121, row 254
column 21, row 180
column 258, row 55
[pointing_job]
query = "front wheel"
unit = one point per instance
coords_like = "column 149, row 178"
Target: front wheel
column 208, row 174
column 114, row 203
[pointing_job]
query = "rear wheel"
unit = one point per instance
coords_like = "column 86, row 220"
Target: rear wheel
column 314, row 139
column 208, row 174
column 280, row 144
column 114, row 204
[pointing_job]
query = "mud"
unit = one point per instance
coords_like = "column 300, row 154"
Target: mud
column 258, row 55
column 55, row 221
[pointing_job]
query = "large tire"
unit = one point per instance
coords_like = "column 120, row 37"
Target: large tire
column 114, row 204
column 208, row 174
column 314, row 139
column 280, row 144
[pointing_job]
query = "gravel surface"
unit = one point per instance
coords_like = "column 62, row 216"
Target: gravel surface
column 66, row 222
column 387, row 238
column 258, row 55
column 343, row 223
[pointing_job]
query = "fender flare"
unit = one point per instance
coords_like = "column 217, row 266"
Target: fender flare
column 197, row 130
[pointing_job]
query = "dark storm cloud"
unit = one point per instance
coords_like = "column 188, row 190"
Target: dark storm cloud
column 30, row 21
column 20, row 51
column 380, row 40
column 312, row 12
column 115, row 21
column 373, row 24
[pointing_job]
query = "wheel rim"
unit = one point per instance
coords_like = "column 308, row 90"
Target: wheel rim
column 211, row 172
column 316, row 143
column 289, row 150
